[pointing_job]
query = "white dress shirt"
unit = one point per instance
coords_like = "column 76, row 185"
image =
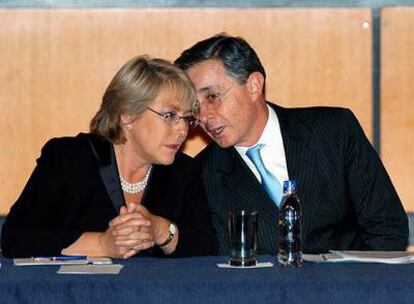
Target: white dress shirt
column 273, row 153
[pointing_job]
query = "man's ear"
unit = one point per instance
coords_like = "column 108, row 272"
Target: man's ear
column 255, row 84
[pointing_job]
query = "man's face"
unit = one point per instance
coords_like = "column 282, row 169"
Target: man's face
column 228, row 111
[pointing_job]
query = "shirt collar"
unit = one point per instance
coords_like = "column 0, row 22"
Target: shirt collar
column 267, row 137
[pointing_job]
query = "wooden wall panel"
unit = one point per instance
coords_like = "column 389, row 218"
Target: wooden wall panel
column 397, row 99
column 57, row 63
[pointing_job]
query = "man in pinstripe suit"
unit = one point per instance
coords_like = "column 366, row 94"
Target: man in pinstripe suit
column 347, row 198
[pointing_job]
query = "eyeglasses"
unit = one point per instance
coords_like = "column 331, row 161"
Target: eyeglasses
column 173, row 118
column 211, row 98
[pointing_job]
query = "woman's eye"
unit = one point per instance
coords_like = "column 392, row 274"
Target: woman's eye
column 169, row 115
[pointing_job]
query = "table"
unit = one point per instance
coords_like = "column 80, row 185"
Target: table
column 198, row 280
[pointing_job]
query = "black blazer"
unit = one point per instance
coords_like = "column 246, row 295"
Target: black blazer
column 347, row 198
column 75, row 188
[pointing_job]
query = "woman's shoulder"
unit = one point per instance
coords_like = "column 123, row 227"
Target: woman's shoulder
column 72, row 142
column 69, row 147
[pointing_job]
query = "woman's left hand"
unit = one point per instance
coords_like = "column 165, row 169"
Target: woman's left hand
column 160, row 229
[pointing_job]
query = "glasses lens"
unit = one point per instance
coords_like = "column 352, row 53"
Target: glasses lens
column 171, row 117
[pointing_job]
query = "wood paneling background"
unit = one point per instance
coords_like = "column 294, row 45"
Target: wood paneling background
column 397, row 99
column 57, row 63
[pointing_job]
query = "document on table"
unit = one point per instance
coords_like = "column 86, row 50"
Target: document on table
column 385, row 257
column 90, row 269
column 61, row 260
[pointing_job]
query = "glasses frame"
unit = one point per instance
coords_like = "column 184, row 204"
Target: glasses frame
column 172, row 118
column 217, row 101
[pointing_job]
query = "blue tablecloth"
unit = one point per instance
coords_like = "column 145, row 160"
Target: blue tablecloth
column 199, row 280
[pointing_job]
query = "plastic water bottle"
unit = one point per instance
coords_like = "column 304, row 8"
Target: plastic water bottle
column 290, row 246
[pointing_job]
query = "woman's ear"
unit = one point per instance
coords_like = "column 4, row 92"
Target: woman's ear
column 255, row 84
column 127, row 121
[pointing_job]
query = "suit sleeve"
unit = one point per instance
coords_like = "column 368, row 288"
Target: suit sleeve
column 197, row 235
column 33, row 225
column 382, row 221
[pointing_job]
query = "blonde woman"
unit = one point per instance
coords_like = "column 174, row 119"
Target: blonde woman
column 124, row 188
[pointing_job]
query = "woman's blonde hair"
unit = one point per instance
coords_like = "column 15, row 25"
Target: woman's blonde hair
column 133, row 89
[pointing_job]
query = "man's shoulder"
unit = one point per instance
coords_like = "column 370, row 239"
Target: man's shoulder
column 213, row 158
column 316, row 113
column 319, row 116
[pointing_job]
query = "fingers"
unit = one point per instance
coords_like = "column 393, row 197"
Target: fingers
column 131, row 207
column 129, row 253
column 123, row 210
column 125, row 237
column 128, row 236
column 135, row 244
column 130, row 227
column 141, row 209
column 131, row 211
column 144, row 245
column 124, row 218
column 132, row 250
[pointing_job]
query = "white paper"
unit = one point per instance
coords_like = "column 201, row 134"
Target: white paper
column 46, row 261
column 320, row 258
column 90, row 269
column 258, row 265
column 385, row 257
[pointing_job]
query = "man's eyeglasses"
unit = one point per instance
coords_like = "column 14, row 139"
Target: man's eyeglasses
column 173, row 118
column 211, row 98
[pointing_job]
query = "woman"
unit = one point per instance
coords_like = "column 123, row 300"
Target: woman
column 124, row 188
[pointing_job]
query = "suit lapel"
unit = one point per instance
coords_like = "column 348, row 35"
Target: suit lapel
column 300, row 158
column 108, row 170
column 244, row 192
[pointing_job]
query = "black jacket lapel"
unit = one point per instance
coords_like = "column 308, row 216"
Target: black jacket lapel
column 108, row 169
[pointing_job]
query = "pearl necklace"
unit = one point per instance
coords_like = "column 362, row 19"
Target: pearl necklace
column 134, row 188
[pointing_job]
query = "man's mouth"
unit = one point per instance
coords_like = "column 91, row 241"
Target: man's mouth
column 216, row 132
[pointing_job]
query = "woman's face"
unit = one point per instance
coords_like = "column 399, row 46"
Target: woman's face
column 150, row 137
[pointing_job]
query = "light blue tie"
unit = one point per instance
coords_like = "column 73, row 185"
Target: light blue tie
column 269, row 181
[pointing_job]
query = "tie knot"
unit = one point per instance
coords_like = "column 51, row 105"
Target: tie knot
column 254, row 154
column 257, row 147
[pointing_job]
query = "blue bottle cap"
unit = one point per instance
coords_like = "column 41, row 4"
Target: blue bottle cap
column 289, row 185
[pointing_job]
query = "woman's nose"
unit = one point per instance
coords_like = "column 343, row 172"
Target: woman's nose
column 182, row 127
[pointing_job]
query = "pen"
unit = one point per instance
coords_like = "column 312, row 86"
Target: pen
column 61, row 258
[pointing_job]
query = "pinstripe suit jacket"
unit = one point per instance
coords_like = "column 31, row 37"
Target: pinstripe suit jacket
column 347, row 198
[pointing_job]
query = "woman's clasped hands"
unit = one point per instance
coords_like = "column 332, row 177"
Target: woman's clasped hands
column 130, row 232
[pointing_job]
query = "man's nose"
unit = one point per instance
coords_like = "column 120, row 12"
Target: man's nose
column 205, row 112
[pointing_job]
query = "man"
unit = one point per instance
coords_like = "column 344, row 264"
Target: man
column 347, row 198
